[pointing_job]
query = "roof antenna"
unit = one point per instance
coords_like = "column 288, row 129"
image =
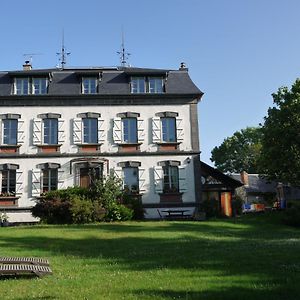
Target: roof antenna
column 63, row 54
column 29, row 57
column 123, row 54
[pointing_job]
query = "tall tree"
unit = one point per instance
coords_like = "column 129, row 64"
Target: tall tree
column 239, row 152
column 280, row 156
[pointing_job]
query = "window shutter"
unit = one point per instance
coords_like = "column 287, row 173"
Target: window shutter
column 140, row 130
column 61, row 131
column 60, row 179
column 179, row 129
column 182, row 178
column 158, row 179
column 118, row 173
column 101, row 131
column 77, row 131
column 36, row 182
column 156, row 130
column 117, row 131
column 142, row 174
column 21, row 135
column 37, row 131
column 19, row 182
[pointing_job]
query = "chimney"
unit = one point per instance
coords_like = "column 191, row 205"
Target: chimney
column 244, row 178
column 27, row 66
column 183, row 67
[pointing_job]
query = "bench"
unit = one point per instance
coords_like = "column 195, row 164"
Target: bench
column 24, row 266
column 24, row 260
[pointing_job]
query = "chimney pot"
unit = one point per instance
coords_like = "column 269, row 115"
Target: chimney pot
column 27, row 66
column 183, row 67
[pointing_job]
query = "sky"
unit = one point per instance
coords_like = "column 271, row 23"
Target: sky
column 238, row 51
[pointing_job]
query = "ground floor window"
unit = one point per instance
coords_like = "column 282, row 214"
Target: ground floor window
column 8, row 182
column 88, row 173
column 170, row 179
column 50, row 179
column 131, row 179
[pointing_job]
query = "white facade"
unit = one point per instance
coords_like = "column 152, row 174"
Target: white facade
column 149, row 155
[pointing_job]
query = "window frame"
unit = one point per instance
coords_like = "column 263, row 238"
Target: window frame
column 136, row 90
column 155, row 85
column 11, row 180
column 166, row 136
column 170, row 179
column 147, row 89
column 87, row 131
column 10, row 133
column 128, row 187
column 51, row 131
column 89, row 90
column 132, row 132
column 31, row 90
column 52, row 174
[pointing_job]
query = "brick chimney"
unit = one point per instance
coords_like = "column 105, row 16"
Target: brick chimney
column 27, row 66
column 244, row 178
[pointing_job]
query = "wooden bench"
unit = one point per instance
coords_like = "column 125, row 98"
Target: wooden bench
column 24, row 260
column 24, row 266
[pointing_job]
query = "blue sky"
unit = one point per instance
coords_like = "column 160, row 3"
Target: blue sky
column 238, row 51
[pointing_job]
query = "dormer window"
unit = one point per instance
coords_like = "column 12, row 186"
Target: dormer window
column 149, row 84
column 89, row 85
column 30, row 86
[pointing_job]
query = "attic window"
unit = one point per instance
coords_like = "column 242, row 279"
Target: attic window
column 89, row 85
column 149, row 84
column 30, row 86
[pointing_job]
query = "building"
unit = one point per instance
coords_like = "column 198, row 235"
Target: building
column 257, row 189
column 219, row 188
column 63, row 127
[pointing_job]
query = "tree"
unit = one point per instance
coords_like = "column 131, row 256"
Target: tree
column 280, row 155
column 239, row 152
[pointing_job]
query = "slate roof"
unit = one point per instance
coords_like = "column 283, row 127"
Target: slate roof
column 257, row 184
column 114, row 80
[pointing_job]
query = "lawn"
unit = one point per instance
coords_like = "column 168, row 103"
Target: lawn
column 253, row 257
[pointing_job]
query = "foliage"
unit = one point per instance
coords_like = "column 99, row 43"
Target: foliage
column 239, row 152
column 135, row 204
column 280, row 155
column 80, row 205
column 3, row 217
column 238, row 205
column 292, row 215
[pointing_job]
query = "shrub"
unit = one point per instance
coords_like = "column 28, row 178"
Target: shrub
column 81, row 205
column 118, row 212
column 135, row 204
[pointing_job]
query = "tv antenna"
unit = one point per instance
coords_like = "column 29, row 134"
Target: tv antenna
column 29, row 56
column 63, row 54
column 123, row 54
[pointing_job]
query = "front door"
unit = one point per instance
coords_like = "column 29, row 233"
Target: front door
column 88, row 175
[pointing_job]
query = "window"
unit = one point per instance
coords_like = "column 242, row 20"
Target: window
column 50, row 131
column 10, row 131
column 171, row 179
column 31, row 86
column 11, row 180
column 22, row 86
column 8, row 182
column 155, row 85
column 90, row 130
column 138, row 85
column 47, row 177
column 129, row 130
column 132, row 175
column 131, row 179
column 39, row 86
column 89, row 85
column 50, row 179
column 168, row 126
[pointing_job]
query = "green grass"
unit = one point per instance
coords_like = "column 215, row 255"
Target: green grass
column 254, row 257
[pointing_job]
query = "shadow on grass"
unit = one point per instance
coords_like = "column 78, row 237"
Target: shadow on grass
column 245, row 249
